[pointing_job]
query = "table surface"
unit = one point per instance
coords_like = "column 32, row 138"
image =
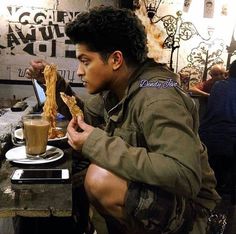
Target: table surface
column 35, row 200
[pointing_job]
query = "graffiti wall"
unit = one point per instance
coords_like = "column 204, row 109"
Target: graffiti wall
column 188, row 35
column 35, row 29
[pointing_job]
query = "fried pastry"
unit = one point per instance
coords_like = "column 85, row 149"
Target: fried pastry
column 70, row 101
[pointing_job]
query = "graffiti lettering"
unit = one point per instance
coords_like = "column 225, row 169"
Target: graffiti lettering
column 37, row 30
column 36, row 16
column 28, row 37
column 21, row 72
column 14, row 37
column 66, row 74
column 47, row 32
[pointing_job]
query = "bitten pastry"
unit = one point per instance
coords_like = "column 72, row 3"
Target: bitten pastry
column 70, row 101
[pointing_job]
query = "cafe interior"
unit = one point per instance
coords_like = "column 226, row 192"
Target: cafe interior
column 190, row 36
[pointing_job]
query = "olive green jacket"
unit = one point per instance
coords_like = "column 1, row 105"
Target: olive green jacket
column 151, row 135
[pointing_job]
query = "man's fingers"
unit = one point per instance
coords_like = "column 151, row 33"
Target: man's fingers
column 82, row 124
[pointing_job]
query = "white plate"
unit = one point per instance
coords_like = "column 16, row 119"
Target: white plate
column 18, row 155
column 19, row 135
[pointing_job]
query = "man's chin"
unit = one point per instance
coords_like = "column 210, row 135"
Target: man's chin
column 91, row 91
column 95, row 90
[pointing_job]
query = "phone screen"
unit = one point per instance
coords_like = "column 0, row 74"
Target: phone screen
column 39, row 93
column 44, row 174
column 40, row 176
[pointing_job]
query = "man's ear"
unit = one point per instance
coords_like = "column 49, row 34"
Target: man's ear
column 117, row 59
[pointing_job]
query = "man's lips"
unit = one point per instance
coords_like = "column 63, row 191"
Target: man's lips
column 83, row 81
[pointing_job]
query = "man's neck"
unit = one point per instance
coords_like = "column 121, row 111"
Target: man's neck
column 121, row 82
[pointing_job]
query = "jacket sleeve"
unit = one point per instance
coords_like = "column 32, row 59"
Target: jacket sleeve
column 171, row 159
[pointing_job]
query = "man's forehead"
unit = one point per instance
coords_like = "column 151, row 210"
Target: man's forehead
column 81, row 49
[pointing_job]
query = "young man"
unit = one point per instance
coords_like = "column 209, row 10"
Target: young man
column 149, row 172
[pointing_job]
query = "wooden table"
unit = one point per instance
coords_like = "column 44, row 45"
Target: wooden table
column 35, row 200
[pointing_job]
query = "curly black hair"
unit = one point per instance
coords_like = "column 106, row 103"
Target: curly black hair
column 106, row 29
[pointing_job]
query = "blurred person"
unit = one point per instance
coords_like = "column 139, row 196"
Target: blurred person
column 218, row 127
column 189, row 74
column 217, row 72
column 149, row 172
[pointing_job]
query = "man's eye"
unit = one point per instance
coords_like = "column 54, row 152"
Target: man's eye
column 84, row 61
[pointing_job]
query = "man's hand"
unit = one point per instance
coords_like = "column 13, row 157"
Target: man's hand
column 35, row 70
column 77, row 139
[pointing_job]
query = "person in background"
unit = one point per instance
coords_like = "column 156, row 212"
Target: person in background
column 218, row 127
column 149, row 172
column 217, row 72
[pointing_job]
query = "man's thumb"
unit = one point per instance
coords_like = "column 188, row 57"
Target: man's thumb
column 81, row 123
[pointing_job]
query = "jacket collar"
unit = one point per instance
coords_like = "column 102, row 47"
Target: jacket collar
column 115, row 108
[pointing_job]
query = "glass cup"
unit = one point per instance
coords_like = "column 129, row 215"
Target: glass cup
column 35, row 128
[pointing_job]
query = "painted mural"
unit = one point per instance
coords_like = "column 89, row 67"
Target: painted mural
column 29, row 32
column 189, row 35
column 178, row 34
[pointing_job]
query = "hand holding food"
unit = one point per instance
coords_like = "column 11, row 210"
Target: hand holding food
column 35, row 71
column 76, row 139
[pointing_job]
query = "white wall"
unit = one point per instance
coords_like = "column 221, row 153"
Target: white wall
column 20, row 19
column 35, row 29
column 21, row 91
column 214, row 34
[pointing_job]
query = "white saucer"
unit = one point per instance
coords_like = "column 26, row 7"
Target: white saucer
column 18, row 155
column 18, row 133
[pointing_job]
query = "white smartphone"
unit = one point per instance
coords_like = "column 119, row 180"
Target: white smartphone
column 40, row 176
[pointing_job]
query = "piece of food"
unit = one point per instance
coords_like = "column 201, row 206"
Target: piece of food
column 70, row 101
column 50, row 105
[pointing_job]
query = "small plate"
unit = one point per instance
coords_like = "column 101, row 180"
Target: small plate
column 18, row 155
column 18, row 133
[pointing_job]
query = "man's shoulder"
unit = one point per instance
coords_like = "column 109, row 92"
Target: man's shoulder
column 157, row 91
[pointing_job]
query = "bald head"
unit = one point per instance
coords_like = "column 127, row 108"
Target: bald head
column 218, row 72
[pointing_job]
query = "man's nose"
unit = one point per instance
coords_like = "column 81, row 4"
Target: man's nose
column 80, row 71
